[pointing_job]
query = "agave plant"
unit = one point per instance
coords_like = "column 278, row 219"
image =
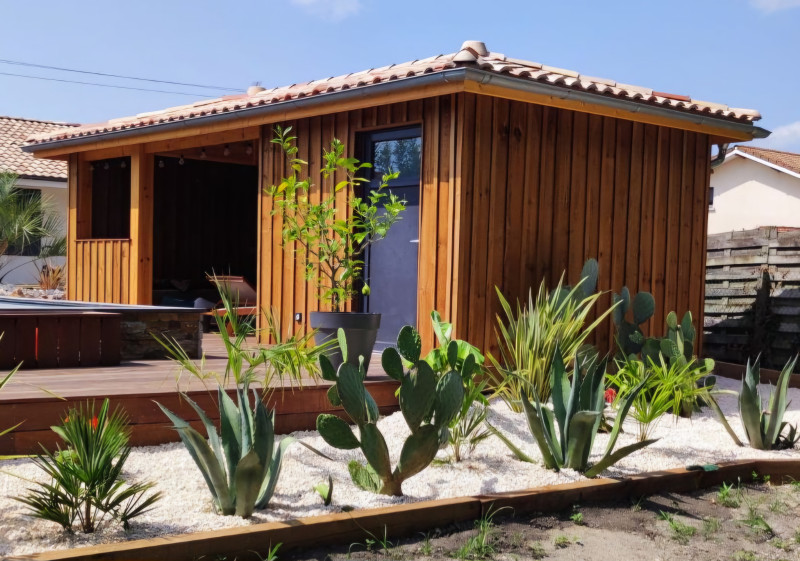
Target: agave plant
column 577, row 411
column 765, row 429
column 240, row 465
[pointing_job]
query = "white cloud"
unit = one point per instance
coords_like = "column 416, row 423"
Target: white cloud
column 335, row 10
column 785, row 137
column 770, row 6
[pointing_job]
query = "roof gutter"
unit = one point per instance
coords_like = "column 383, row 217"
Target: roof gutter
column 453, row 75
column 562, row 92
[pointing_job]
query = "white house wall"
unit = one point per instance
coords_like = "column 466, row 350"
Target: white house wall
column 748, row 195
column 24, row 270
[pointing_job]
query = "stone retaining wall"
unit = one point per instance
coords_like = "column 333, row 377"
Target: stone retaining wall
column 138, row 329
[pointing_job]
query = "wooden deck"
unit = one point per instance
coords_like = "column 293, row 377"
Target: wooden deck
column 39, row 398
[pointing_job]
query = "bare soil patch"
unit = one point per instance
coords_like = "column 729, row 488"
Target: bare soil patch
column 749, row 522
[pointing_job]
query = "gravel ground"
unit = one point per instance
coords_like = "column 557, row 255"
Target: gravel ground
column 186, row 506
column 23, row 292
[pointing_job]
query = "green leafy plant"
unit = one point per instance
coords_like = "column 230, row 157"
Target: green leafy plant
column 373, row 542
column 577, row 518
column 562, row 542
column 528, row 335
column 730, row 496
column 466, row 430
column 332, row 240
column 668, row 387
column 86, row 482
column 577, row 412
column 765, row 429
column 287, row 361
column 428, row 406
column 26, row 221
column 325, row 491
column 710, row 527
column 681, row 532
column 481, row 544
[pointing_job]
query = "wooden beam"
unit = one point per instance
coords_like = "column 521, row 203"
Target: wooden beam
column 72, row 225
column 141, row 261
column 209, row 139
column 574, row 105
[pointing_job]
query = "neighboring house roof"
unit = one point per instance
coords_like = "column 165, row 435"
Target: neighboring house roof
column 784, row 161
column 473, row 54
column 13, row 133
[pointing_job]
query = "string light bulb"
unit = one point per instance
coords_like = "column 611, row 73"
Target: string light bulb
column 203, row 154
column 161, row 163
column 105, row 166
column 123, row 165
column 226, row 151
column 181, row 160
column 249, row 149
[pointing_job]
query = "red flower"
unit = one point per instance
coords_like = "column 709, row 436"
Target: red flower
column 610, row 395
column 94, row 423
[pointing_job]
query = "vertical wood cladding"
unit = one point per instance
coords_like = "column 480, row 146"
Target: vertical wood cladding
column 543, row 189
column 511, row 193
column 282, row 284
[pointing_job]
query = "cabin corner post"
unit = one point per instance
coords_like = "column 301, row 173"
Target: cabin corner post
column 141, row 235
column 72, row 223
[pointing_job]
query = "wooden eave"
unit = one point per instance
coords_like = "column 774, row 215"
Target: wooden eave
column 243, row 124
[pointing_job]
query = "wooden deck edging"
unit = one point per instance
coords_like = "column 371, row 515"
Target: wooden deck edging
column 407, row 519
column 736, row 371
column 294, row 410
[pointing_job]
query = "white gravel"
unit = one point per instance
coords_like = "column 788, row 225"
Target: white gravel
column 30, row 292
column 186, row 506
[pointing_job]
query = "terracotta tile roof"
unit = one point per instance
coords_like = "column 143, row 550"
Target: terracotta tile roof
column 13, row 133
column 472, row 54
column 788, row 160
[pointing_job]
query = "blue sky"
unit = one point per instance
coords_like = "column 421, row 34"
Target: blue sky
column 739, row 52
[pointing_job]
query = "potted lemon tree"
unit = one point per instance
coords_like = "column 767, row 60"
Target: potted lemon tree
column 332, row 241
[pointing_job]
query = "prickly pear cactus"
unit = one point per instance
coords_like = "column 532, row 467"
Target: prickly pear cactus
column 629, row 333
column 428, row 406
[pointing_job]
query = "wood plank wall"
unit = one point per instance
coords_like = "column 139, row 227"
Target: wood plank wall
column 102, row 271
column 542, row 189
column 282, row 284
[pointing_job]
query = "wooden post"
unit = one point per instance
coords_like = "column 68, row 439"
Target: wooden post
column 141, row 262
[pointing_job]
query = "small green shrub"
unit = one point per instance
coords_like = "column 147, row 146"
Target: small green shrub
column 681, row 532
column 86, row 482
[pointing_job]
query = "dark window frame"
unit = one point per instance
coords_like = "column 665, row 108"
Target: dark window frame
column 365, row 152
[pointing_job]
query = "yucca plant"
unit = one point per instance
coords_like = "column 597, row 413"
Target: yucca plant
column 528, row 336
column 577, row 414
column 765, row 429
column 86, row 479
column 242, row 463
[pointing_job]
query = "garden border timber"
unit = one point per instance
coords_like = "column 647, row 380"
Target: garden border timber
column 736, row 372
column 408, row 519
